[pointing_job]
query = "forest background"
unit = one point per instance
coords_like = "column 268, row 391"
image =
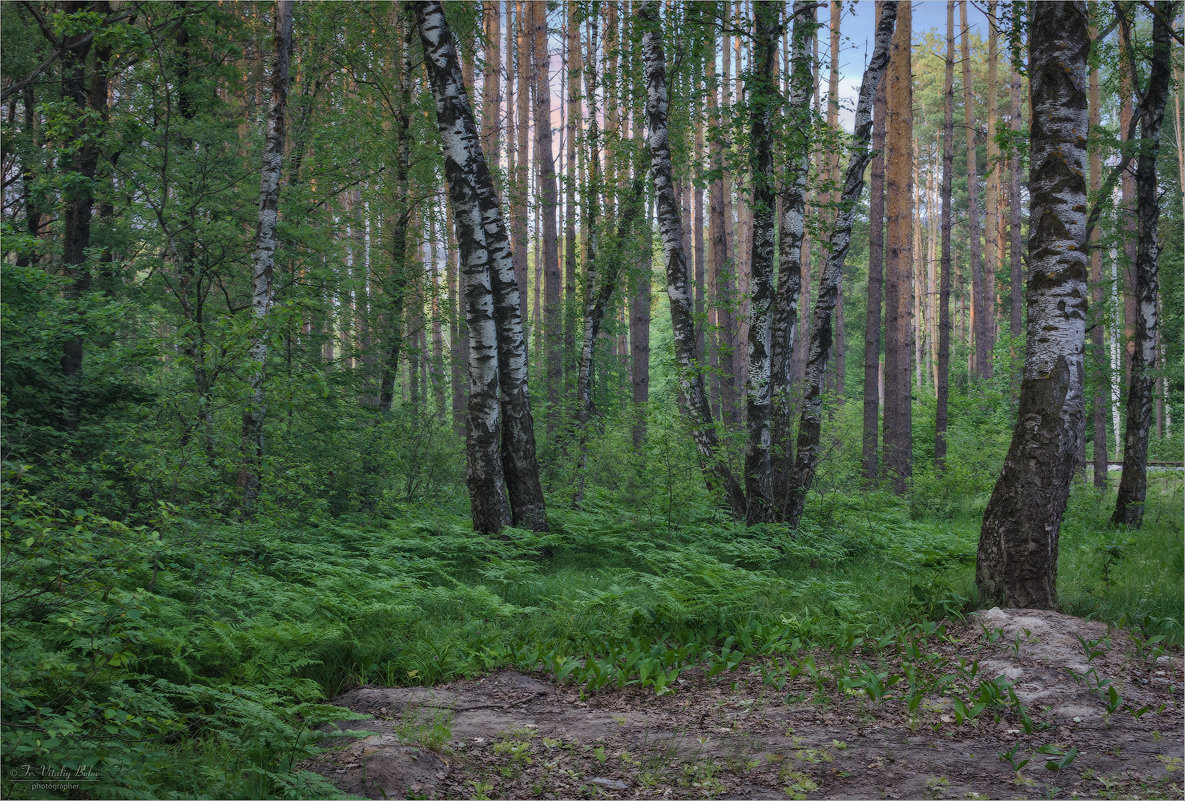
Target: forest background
column 235, row 482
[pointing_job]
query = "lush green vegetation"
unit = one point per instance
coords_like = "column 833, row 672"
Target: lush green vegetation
column 188, row 656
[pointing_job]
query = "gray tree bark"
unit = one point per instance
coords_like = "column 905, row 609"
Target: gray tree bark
column 264, row 257
column 761, row 263
column 1133, row 485
column 691, row 378
column 1018, row 544
column 793, row 227
column 808, row 450
column 498, row 355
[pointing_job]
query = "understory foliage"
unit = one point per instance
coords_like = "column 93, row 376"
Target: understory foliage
column 184, row 655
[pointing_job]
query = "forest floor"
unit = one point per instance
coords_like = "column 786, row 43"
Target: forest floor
column 1006, row 704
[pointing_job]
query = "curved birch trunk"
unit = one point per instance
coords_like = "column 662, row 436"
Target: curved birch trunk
column 463, row 163
column 1018, row 544
column 691, row 378
column 1133, row 485
column 810, row 422
column 265, row 251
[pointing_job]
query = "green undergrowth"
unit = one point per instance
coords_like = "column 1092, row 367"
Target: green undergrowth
column 190, row 658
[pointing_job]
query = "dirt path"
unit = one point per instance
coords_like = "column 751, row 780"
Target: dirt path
column 803, row 726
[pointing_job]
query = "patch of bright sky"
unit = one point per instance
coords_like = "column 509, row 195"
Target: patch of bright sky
column 856, row 30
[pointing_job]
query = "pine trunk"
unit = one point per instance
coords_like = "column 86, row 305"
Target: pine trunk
column 898, row 446
column 553, row 289
column 981, row 356
column 1102, row 384
column 948, row 156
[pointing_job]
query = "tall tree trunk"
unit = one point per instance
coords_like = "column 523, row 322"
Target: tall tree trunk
column 981, row 360
column 876, row 266
column 833, row 178
column 1102, row 383
column 697, row 210
column 641, row 276
column 1128, row 217
column 1133, row 484
column 728, row 337
column 1018, row 544
column 397, row 281
column 809, row 451
column 485, row 247
column 691, row 378
column 264, row 257
column 761, row 263
column 1015, row 238
column 520, row 188
column 575, row 116
column 438, row 262
column 553, row 288
column 948, row 156
column 458, row 335
column 718, row 233
column 991, row 225
column 898, row 424
column 78, row 196
column 790, row 250
column 491, row 84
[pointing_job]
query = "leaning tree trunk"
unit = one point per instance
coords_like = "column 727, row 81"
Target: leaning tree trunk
column 761, row 264
column 487, row 493
column 683, row 323
column 1133, row 485
column 265, row 252
column 484, row 243
column 808, row 449
column 1017, row 559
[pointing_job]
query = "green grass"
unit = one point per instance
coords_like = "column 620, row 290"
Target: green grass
column 190, row 658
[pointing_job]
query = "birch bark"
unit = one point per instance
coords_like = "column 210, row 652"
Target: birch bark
column 1018, row 544
column 808, row 449
column 691, row 379
column 1133, row 485
column 263, row 260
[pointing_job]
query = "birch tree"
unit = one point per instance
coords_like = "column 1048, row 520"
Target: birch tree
column 263, row 259
column 683, row 323
column 1018, row 543
column 808, row 450
column 497, row 353
column 1133, row 486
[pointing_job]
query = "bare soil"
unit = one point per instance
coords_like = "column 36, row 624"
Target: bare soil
column 763, row 732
